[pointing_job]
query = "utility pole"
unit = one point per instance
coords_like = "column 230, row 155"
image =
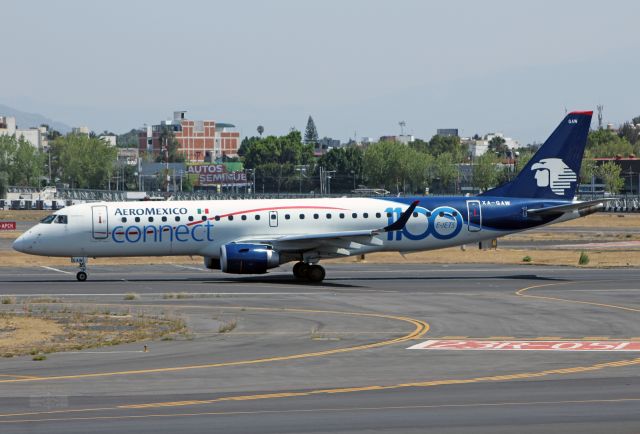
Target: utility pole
column 600, row 107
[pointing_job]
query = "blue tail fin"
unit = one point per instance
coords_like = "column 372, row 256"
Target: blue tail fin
column 553, row 172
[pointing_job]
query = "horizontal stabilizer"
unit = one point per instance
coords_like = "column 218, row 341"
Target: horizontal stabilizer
column 591, row 205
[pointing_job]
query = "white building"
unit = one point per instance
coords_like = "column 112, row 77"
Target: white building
column 511, row 143
column 477, row 147
column 36, row 136
column 111, row 139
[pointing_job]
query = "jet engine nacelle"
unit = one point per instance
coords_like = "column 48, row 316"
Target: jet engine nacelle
column 248, row 258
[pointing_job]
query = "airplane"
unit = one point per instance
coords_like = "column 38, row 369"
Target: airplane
column 253, row 236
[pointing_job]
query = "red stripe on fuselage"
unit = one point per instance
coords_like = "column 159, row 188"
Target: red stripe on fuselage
column 248, row 211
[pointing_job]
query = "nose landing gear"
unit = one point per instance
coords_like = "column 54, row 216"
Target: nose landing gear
column 82, row 264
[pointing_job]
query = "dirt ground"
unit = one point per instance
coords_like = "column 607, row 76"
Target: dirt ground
column 50, row 326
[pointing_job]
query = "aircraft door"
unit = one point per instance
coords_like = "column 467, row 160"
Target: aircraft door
column 474, row 213
column 273, row 219
column 100, row 228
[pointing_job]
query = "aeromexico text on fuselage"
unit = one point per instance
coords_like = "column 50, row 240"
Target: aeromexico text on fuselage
column 442, row 218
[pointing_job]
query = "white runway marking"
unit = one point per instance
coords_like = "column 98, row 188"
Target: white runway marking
column 55, row 269
column 188, row 268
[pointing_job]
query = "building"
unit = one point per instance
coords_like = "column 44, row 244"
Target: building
column 508, row 141
column 405, row 139
column 476, row 147
column 111, row 139
column 37, row 136
column 447, row 132
column 325, row 144
column 80, row 130
column 204, row 140
column 128, row 156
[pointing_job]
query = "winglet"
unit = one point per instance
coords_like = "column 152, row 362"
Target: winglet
column 404, row 218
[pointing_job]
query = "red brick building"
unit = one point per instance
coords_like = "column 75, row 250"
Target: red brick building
column 199, row 140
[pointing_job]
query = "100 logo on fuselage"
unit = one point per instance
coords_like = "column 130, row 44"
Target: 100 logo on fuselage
column 443, row 223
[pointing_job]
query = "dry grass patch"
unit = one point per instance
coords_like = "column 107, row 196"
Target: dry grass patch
column 46, row 329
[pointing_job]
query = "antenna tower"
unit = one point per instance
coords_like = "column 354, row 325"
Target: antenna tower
column 600, row 107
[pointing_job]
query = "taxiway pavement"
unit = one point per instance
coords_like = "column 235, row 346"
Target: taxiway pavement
column 334, row 357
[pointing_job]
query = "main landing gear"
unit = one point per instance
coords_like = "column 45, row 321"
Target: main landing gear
column 82, row 264
column 312, row 273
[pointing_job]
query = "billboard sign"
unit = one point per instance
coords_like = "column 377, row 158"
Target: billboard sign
column 223, row 174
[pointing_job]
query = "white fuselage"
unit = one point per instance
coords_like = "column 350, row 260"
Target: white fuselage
column 202, row 227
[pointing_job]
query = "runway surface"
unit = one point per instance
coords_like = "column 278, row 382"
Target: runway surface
column 334, row 357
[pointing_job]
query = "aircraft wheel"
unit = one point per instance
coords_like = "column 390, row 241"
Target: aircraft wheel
column 81, row 276
column 316, row 273
column 300, row 270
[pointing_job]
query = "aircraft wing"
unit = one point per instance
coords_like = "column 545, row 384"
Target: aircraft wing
column 342, row 242
column 588, row 206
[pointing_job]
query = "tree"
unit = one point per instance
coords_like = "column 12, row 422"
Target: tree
column 20, row 162
column 128, row 139
column 260, row 130
column 168, row 139
column 588, row 168
column 446, row 172
column 485, row 174
column 310, row 133
column 447, row 144
column 348, row 164
column 82, row 162
column 609, row 172
column 497, row 145
column 606, row 143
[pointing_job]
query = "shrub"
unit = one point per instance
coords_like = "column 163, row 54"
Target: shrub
column 584, row 259
column 527, row 259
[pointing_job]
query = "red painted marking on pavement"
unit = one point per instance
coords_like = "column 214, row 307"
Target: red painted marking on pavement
column 471, row 345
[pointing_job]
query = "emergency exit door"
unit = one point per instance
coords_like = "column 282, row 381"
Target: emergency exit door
column 100, row 222
column 474, row 211
column 273, row 219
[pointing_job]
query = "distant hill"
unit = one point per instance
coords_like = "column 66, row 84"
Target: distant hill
column 28, row 120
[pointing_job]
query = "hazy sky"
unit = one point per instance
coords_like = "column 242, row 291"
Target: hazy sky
column 358, row 67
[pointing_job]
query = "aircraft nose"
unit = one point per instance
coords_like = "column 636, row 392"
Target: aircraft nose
column 21, row 244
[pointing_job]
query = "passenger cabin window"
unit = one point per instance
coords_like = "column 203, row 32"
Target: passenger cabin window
column 177, row 218
column 123, row 219
column 150, row 219
column 204, row 218
column 61, row 219
column 48, row 219
column 316, row 216
column 257, row 216
column 365, row 215
column 341, row 215
column 190, row 218
column 378, row 215
column 354, row 215
column 328, row 215
column 217, row 218
column 415, row 214
column 301, row 216
column 138, row 219
column 164, row 219
column 287, row 216
column 230, row 217
column 244, row 217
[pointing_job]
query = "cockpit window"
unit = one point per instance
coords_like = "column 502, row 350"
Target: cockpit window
column 61, row 219
column 48, row 219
